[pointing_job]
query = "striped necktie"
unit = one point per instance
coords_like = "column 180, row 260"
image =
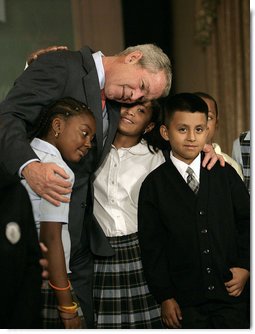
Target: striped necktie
column 191, row 180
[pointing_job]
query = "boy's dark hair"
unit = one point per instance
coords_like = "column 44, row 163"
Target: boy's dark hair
column 64, row 107
column 183, row 102
column 209, row 97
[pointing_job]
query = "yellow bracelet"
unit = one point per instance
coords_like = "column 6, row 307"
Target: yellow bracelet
column 59, row 289
column 68, row 309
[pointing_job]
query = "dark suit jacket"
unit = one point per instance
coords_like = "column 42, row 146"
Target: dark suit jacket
column 52, row 76
column 20, row 278
column 189, row 242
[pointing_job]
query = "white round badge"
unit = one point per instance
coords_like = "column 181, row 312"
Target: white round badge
column 13, row 232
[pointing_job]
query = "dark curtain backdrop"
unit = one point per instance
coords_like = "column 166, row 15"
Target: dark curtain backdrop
column 148, row 22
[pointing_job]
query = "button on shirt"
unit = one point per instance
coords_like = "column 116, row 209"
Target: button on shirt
column 44, row 210
column 117, row 186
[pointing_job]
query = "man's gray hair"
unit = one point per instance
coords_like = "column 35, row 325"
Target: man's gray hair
column 154, row 60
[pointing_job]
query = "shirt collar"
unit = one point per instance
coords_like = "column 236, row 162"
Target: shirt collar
column 248, row 136
column 99, row 67
column 44, row 146
column 138, row 149
column 182, row 166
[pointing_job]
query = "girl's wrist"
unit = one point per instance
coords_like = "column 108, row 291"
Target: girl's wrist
column 67, row 316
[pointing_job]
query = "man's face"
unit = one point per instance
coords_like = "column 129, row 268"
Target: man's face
column 128, row 82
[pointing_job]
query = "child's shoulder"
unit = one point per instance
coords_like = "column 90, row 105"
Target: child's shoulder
column 158, row 173
column 226, row 172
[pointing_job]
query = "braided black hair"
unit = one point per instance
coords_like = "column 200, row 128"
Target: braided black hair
column 64, row 107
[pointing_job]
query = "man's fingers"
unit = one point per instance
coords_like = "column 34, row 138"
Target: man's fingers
column 34, row 55
column 54, row 198
column 44, row 249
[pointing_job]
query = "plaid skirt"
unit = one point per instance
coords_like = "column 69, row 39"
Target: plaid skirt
column 121, row 295
column 50, row 315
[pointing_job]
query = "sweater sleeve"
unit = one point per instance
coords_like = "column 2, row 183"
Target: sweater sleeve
column 153, row 241
column 39, row 85
column 241, row 206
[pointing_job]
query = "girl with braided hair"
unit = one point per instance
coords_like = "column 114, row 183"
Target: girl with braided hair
column 66, row 131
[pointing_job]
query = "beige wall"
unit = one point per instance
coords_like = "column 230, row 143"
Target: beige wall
column 188, row 59
column 98, row 24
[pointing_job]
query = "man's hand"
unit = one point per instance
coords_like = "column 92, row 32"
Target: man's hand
column 171, row 313
column 33, row 56
column 211, row 157
column 43, row 180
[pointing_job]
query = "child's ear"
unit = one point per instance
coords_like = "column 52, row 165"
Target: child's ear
column 164, row 132
column 149, row 127
column 57, row 125
column 217, row 124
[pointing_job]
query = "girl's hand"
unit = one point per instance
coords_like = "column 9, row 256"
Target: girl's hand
column 70, row 321
column 33, row 56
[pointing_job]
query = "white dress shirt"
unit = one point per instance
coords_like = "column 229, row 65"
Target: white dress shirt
column 43, row 210
column 117, row 186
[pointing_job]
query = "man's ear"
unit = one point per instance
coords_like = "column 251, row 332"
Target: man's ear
column 164, row 132
column 133, row 57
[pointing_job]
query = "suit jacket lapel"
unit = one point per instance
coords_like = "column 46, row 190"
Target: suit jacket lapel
column 93, row 94
column 114, row 115
column 93, row 97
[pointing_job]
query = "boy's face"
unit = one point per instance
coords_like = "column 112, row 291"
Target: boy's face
column 212, row 120
column 187, row 134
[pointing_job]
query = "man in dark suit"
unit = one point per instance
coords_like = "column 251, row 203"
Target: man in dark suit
column 20, row 277
column 138, row 73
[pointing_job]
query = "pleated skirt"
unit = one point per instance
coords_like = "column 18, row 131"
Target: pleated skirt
column 121, row 295
column 50, row 315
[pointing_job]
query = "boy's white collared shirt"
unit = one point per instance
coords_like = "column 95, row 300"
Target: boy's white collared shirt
column 182, row 166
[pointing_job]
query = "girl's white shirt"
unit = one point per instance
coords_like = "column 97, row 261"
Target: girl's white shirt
column 44, row 210
column 117, row 185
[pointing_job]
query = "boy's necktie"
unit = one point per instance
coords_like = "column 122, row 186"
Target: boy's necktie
column 191, row 180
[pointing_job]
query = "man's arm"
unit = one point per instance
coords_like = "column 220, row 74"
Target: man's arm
column 43, row 180
column 42, row 83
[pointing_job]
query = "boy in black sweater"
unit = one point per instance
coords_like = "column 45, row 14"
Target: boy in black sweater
column 194, row 228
